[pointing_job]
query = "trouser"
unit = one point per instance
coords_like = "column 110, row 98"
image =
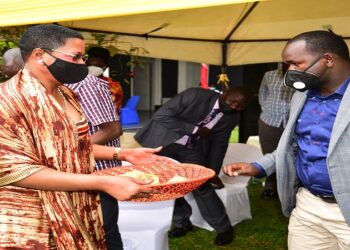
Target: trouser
column 269, row 137
column 316, row 224
column 210, row 206
column 110, row 211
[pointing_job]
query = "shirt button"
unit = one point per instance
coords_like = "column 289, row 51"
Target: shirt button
column 324, row 101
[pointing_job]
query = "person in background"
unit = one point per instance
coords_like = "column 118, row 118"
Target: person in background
column 105, row 129
column 195, row 127
column 98, row 62
column 312, row 158
column 274, row 100
column 12, row 62
column 46, row 157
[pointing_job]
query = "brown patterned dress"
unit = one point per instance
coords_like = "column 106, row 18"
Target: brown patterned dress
column 35, row 132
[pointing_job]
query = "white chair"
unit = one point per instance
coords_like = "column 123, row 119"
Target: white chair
column 235, row 194
column 145, row 225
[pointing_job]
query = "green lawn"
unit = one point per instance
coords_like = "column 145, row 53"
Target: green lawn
column 267, row 230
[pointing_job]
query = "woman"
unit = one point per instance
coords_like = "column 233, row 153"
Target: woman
column 46, row 158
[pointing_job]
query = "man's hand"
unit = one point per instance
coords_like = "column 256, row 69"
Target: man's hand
column 203, row 132
column 240, row 168
column 143, row 156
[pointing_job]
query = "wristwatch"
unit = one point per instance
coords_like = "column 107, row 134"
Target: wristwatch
column 115, row 154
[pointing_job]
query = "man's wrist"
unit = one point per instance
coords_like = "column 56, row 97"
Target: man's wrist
column 261, row 170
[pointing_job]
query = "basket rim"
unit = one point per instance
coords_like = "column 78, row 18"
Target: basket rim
column 210, row 175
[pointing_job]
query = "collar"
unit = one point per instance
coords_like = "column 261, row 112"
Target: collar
column 340, row 90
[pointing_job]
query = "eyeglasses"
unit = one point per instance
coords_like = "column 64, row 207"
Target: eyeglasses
column 76, row 57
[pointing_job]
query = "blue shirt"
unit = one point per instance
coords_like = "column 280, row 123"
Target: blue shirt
column 313, row 132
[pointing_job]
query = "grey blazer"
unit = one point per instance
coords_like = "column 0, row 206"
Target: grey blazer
column 282, row 160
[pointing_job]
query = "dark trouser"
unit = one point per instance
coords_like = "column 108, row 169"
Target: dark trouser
column 210, row 206
column 269, row 137
column 110, row 211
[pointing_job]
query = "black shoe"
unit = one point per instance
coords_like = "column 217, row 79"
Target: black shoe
column 269, row 194
column 224, row 238
column 216, row 182
column 177, row 232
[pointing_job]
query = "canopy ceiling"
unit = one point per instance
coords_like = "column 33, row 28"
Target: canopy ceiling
column 214, row 32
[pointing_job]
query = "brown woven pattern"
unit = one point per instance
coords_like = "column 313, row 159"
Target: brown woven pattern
column 196, row 175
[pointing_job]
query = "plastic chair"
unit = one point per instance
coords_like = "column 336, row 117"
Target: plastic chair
column 235, row 194
column 128, row 114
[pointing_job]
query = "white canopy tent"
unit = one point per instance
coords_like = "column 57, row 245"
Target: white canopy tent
column 215, row 32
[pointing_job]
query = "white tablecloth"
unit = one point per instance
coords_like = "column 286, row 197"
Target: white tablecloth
column 145, row 225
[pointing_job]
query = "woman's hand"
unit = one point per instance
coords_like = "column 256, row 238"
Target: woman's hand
column 124, row 188
column 143, row 156
column 240, row 168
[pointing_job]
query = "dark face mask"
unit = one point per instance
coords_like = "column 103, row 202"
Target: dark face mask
column 67, row 72
column 225, row 108
column 302, row 80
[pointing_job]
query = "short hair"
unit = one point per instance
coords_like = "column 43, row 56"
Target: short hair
column 49, row 36
column 320, row 42
column 99, row 52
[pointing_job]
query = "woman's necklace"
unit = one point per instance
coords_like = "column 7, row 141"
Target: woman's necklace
column 64, row 99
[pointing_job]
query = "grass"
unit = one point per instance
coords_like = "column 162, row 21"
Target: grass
column 234, row 135
column 267, row 229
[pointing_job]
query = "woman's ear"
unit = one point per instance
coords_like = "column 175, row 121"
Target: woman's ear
column 38, row 54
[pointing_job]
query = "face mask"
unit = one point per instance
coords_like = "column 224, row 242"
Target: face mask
column 95, row 71
column 225, row 108
column 302, row 80
column 67, row 72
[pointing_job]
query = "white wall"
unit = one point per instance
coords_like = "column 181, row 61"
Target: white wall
column 147, row 81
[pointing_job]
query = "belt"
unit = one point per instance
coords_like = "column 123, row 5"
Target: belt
column 325, row 198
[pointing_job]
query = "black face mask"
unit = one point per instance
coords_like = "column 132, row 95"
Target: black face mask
column 67, row 72
column 225, row 108
column 302, row 80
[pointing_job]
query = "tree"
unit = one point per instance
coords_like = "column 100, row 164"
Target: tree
column 10, row 37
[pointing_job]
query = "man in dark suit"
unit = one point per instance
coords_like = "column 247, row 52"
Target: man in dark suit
column 195, row 127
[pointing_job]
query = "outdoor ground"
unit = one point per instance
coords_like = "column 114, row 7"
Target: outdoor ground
column 267, row 230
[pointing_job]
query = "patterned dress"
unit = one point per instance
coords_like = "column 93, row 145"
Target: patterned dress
column 35, row 133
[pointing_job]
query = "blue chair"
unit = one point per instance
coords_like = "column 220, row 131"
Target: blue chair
column 128, row 114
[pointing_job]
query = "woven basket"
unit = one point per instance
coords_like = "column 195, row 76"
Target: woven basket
column 196, row 175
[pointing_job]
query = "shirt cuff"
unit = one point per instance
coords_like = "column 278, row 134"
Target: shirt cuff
column 262, row 172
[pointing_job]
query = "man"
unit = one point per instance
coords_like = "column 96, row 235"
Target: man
column 194, row 127
column 274, row 100
column 312, row 157
column 105, row 129
column 12, row 62
column 98, row 63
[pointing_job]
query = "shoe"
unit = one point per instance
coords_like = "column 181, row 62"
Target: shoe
column 269, row 194
column 224, row 238
column 216, row 182
column 177, row 232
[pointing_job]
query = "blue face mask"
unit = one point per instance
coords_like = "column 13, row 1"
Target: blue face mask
column 302, row 80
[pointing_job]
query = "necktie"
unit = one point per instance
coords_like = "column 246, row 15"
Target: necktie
column 192, row 140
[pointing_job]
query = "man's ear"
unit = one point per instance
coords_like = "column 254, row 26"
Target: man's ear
column 329, row 59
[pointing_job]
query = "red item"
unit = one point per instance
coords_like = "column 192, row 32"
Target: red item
column 204, row 76
column 116, row 92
